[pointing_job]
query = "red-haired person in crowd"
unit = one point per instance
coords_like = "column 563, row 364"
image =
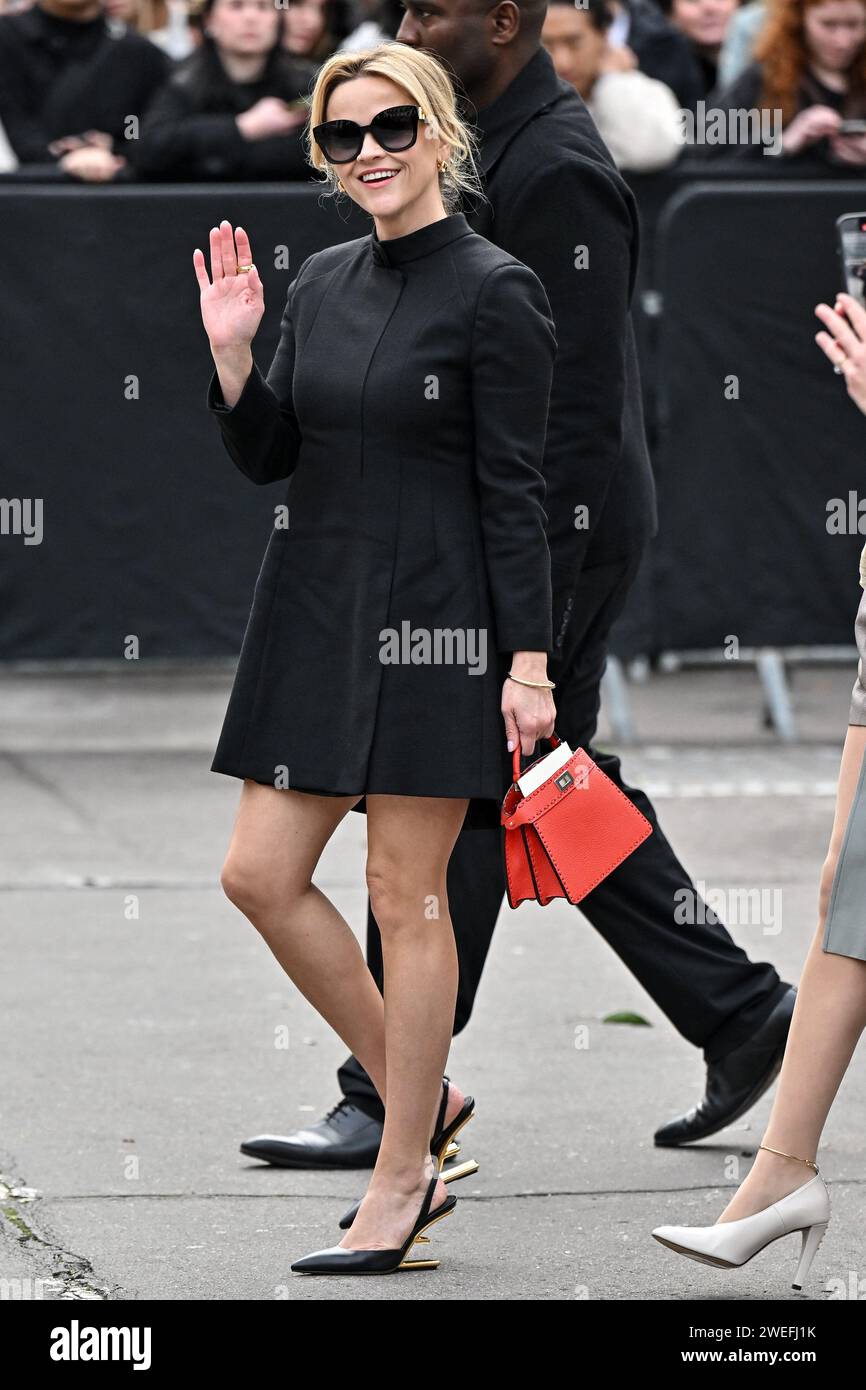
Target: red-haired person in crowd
column 810, row 71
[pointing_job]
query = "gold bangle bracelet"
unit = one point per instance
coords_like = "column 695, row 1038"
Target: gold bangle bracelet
column 535, row 685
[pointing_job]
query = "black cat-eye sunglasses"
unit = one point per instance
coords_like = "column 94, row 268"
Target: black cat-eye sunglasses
column 395, row 129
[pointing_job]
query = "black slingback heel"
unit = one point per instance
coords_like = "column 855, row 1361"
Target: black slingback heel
column 336, row 1260
column 442, row 1146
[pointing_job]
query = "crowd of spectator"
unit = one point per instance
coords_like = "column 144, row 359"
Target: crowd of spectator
column 158, row 90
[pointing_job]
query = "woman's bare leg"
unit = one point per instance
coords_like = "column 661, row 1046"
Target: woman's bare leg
column 410, row 840
column 829, row 1018
column 278, row 838
column 277, row 841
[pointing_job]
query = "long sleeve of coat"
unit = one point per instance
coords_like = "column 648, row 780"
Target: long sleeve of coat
column 260, row 431
column 583, row 255
column 513, row 352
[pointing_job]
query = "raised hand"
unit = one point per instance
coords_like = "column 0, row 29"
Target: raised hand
column 845, row 343
column 232, row 302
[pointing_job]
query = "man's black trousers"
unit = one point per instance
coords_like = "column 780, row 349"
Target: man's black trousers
column 706, row 985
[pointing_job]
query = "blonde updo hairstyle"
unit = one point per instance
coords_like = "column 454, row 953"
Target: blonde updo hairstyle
column 428, row 86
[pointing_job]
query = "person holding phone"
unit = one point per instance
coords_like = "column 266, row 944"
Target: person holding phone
column 810, row 66
column 397, row 647
column 830, row 1013
column 844, row 343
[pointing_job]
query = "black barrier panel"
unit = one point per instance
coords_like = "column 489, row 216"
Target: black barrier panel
column 147, row 526
column 148, row 529
column 744, row 483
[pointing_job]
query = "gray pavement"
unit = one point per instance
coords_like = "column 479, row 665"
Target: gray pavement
column 140, row 1012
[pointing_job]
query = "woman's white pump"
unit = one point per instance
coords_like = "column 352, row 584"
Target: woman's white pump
column 729, row 1244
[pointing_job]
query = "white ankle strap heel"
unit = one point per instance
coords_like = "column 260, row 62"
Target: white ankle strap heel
column 733, row 1243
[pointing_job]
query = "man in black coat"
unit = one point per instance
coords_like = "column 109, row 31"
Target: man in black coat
column 558, row 203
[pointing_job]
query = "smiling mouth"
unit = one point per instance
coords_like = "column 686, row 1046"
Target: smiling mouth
column 376, row 178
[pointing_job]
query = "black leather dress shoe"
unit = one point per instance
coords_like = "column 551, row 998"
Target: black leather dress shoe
column 735, row 1081
column 345, row 1138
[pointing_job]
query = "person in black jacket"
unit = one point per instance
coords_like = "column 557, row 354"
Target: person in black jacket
column 558, row 203
column 234, row 109
column 398, row 642
column 68, row 85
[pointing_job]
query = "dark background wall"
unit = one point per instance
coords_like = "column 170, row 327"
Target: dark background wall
column 150, row 530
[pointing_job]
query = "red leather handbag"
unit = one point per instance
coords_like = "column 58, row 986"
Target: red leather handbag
column 566, row 836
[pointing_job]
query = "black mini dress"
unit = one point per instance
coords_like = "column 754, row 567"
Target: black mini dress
column 406, row 406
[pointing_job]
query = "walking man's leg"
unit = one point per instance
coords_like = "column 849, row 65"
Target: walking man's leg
column 736, row 1010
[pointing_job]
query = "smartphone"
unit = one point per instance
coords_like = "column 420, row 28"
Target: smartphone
column 851, row 246
column 852, row 127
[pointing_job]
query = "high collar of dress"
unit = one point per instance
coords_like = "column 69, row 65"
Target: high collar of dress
column 398, row 250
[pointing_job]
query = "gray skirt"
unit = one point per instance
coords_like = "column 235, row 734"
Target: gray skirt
column 845, row 927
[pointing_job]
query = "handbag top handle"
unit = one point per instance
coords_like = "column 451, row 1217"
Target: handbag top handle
column 515, row 756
